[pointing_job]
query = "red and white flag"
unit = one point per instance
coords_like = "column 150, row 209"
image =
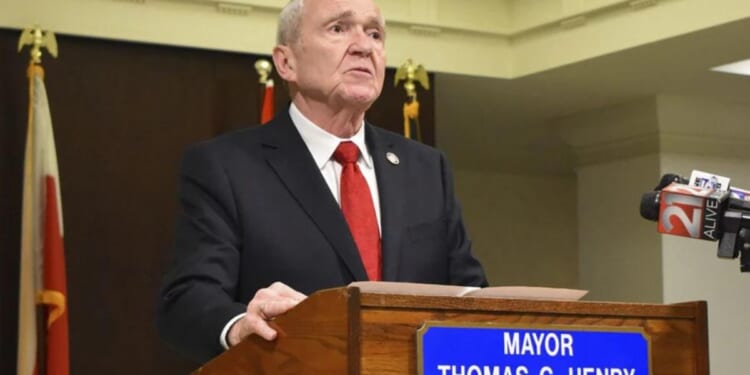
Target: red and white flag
column 266, row 110
column 42, row 274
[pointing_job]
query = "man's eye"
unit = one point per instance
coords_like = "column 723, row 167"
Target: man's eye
column 376, row 35
column 337, row 28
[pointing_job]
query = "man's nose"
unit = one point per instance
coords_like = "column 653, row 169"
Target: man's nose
column 362, row 44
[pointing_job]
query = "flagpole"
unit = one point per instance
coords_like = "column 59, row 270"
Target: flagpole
column 411, row 74
column 43, row 339
column 28, row 323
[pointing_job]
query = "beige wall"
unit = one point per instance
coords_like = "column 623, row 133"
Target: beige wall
column 619, row 251
column 513, row 37
column 617, row 160
column 523, row 226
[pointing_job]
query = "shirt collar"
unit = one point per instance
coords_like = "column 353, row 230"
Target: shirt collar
column 321, row 143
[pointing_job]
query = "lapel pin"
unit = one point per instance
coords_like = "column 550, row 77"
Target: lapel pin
column 392, row 158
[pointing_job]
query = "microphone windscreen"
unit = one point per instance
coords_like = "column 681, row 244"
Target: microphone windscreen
column 650, row 206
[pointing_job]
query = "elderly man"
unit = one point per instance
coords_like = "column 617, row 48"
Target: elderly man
column 316, row 199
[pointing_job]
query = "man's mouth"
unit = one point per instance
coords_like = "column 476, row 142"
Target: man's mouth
column 361, row 70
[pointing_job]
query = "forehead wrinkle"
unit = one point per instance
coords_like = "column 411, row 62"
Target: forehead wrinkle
column 349, row 14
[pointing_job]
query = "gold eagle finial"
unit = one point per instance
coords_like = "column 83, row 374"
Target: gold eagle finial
column 411, row 73
column 264, row 68
column 38, row 39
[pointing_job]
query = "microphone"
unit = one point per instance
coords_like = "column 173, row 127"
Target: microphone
column 705, row 207
column 650, row 200
column 739, row 195
column 650, row 205
column 690, row 211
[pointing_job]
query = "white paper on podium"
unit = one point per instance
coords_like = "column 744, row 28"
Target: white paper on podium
column 437, row 290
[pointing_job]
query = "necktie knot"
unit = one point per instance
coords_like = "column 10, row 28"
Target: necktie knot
column 347, row 152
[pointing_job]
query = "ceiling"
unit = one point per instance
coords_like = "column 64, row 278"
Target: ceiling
column 505, row 125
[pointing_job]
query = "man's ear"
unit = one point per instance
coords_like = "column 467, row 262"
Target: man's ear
column 283, row 59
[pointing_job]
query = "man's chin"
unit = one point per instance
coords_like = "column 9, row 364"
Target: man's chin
column 360, row 97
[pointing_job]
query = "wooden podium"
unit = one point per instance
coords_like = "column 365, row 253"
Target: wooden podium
column 344, row 331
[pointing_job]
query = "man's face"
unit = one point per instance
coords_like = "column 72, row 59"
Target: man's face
column 339, row 57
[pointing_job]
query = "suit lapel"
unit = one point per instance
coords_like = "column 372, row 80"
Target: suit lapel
column 289, row 157
column 391, row 181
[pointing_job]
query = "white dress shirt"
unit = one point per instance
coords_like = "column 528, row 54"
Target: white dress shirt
column 322, row 144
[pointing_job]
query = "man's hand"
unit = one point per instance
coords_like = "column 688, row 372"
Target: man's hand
column 266, row 305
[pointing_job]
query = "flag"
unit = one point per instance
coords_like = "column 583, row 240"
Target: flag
column 411, row 119
column 266, row 111
column 42, row 274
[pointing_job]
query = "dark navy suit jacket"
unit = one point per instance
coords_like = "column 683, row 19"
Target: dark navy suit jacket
column 255, row 209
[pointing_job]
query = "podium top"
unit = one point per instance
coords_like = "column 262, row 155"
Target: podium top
column 469, row 303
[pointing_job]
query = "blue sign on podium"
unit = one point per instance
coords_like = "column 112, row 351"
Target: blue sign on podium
column 491, row 350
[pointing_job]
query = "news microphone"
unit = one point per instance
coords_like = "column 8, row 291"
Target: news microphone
column 691, row 211
column 650, row 200
column 650, row 205
column 706, row 207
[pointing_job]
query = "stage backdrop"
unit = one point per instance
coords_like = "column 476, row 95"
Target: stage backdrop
column 123, row 113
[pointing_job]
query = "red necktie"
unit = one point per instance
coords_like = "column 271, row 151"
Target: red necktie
column 359, row 211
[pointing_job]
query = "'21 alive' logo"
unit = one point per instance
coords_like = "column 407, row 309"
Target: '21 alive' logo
column 690, row 211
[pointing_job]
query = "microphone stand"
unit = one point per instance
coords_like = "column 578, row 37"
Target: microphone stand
column 735, row 240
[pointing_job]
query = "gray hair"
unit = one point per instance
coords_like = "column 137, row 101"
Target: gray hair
column 289, row 22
